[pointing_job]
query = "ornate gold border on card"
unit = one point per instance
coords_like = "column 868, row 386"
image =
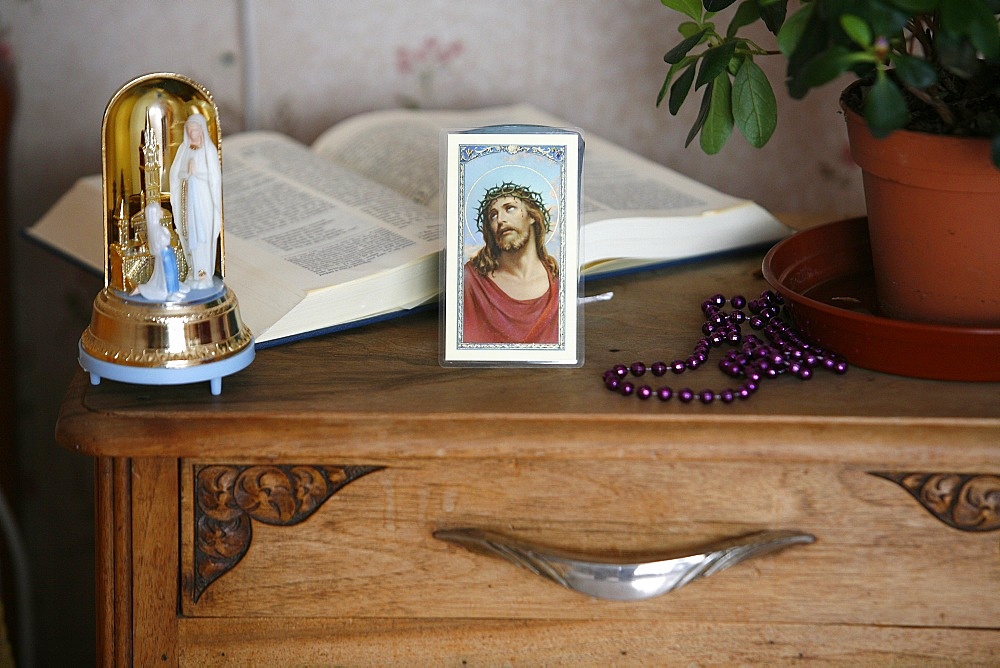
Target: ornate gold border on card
column 970, row 502
column 228, row 497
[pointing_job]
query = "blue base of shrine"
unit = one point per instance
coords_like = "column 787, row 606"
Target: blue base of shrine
column 210, row 371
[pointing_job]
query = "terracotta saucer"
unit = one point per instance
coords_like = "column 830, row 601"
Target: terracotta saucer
column 825, row 276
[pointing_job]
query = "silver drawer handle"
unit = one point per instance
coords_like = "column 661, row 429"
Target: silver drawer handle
column 628, row 581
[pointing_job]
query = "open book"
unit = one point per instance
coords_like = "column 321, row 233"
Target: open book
column 346, row 231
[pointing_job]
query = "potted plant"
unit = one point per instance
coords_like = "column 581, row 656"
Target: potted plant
column 926, row 88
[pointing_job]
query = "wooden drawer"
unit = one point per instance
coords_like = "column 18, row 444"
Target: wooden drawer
column 366, row 556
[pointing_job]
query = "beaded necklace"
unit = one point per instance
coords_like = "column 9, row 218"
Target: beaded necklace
column 750, row 358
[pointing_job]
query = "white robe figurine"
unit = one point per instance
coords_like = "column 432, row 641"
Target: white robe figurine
column 196, row 200
column 163, row 284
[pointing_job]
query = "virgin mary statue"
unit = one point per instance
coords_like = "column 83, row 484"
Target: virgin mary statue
column 196, row 200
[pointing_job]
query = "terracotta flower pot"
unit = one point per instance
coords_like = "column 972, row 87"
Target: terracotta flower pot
column 934, row 220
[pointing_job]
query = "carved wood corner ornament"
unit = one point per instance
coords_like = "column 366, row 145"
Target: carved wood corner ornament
column 970, row 502
column 227, row 497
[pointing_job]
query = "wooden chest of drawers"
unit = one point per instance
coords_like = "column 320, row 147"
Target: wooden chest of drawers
column 291, row 520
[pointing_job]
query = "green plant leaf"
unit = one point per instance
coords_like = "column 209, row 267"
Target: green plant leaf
column 688, row 28
column 663, row 90
column 719, row 122
column 885, row 107
column 773, row 13
column 714, row 62
column 690, row 8
column 915, row 6
column 883, row 18
column 975, row 21
column 699, row 122
column 674, row 55
column 755, row 110
column 915, row 72
column 716, row 5
column 857, row 30
column 745, row 14
column 956, row 55
column 799, row 37
column 679, row 90
column 670, row 76
column 825, row 67
column 792, row 30
column 666, row 85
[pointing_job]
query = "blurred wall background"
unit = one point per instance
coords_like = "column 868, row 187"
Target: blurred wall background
column 299, row 66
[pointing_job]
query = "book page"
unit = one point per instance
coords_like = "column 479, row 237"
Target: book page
column 400, row 149
column 619, row 183
column 74, row 226
column 325, row 223
column 295, row 222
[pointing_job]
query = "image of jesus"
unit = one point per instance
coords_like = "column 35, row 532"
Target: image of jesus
column 511, row 292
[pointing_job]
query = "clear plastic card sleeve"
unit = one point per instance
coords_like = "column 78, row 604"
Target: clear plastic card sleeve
column 510, row 265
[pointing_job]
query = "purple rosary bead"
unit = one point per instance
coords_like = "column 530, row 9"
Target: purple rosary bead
column 749, row 357
column 730, row 368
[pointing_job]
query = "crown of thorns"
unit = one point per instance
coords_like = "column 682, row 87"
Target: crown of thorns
column 508, row 189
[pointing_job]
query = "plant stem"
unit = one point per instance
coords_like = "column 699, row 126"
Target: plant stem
column 922, row 27
column 939, row 107
column 921, row 30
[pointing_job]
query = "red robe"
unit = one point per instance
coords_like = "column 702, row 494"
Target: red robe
column 492, row 316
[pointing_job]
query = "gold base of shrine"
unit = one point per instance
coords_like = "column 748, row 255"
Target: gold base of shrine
column 164, row 335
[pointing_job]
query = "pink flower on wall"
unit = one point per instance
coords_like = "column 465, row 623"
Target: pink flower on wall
column 423, row 64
